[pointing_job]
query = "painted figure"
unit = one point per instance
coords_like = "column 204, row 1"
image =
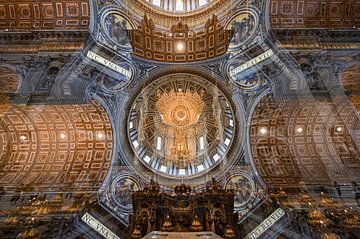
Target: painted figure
column 117, row 29
column 242, row 189
column 243, row 26
column 124, row 188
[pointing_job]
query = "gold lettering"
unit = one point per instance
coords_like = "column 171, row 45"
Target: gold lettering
column 252, row 62
column 93, row 56
column 98, row 226
column 266, row 224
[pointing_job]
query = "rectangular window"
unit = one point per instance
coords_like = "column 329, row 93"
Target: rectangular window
column 158, row 143
column 202, row 145
column 231, row 123
column 136, row 143
column 202, row 2
column 147, row 159
column 227, row 142
column 200, row 167
column 179, row 5
column 216, row 157
column 156, row 3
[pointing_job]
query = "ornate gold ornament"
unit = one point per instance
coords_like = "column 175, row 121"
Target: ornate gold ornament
column 179, row 109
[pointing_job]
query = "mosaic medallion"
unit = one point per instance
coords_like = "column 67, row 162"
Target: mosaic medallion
column 246, row 80
column 244, row 25
column 122, row 187
column 243, row 187
column 115, row 26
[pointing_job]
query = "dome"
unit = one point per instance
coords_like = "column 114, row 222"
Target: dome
column 180, row 125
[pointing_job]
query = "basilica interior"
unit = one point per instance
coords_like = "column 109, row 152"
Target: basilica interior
column 132, row 119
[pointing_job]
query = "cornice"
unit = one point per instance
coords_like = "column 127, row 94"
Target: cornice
column 193, row 18
column 43, row 35
column 32, row 42
column 308, row 39
column 55, row 47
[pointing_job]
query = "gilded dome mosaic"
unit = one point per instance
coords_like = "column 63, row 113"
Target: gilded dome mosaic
column 181, row 125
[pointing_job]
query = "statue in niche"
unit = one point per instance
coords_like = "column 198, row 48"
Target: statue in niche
column 314, row 78
column 50, row 78
column 317, row 82
column 218, row 221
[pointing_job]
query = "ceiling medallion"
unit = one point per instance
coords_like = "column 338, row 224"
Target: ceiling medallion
column 181, row 125
column 244, row 25
column 246, row 79
column 121, row 189
column 179, row 108
column 115, row 27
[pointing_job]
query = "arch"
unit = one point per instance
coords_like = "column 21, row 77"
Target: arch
column 305, row 140
column 55, row 147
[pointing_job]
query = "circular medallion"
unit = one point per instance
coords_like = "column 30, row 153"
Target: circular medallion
column 121, row 190
column 243, row 26
column 244, row 188
column 242, row 76
column 181, row 125
column 114, row 84
column 115, row 26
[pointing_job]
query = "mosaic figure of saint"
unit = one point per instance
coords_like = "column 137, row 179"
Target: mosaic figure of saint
column 243, row 26
column 124, row 188
column 117, row 29
column 242, row 189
